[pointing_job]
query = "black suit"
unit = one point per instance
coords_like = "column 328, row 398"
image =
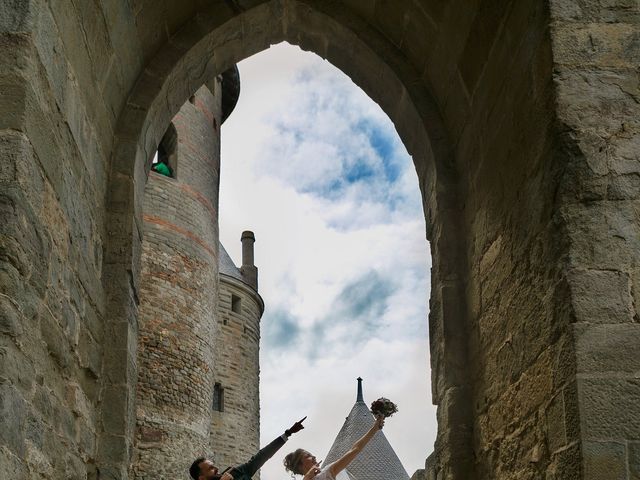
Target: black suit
column 247, row 470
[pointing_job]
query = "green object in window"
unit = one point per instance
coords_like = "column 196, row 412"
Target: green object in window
column 162, row 169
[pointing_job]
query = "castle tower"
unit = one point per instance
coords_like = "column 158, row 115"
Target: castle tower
column 235, row 427
column 378, row 459
column 179, row 288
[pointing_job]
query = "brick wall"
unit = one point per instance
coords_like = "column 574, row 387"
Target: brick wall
column 178, row 298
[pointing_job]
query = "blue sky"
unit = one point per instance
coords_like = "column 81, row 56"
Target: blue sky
column 317, row 171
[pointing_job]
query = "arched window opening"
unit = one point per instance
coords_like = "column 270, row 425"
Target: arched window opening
column 165, row 160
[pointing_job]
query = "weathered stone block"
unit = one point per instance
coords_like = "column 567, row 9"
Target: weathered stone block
column 43, row 402
column 565, row 465
column 624, row 187
column 57, row 343
column 78, row 402
column 35, row 430
column 90, row 353
column 13, row 412
column 69, row 30
column 15, row 367
column 601, row 296
column 10, row 317
column 607, row 348
column 121, row 27
column 87, row 438
column 610, row 408
column 12, row 466
column 113, row 449
column 17, row 16
column 25, row 245
column 604, row 460
column 584, row 95
column 611, row 45
column 453, row 408
column 113, row 418
column 605, row 11
column 604, row 236
column 12, row 101
column 90, row 15
column 624, row 153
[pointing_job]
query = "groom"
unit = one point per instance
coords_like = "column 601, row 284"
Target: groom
column 203, row 469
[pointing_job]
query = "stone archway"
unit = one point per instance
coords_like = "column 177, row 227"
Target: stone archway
column 522, row 119
column 164, row 86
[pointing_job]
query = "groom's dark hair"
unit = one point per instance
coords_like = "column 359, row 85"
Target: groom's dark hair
column 194, row 469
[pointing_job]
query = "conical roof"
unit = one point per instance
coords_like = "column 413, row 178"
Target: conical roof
column 377, row 461
column 226, row 265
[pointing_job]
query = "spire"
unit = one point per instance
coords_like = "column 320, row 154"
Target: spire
column 360, row 398
column 377, row 460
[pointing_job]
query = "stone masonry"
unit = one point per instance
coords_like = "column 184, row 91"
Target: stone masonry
column 235, row 430
column 199, row 325
column 522, row 118
column 178, row 297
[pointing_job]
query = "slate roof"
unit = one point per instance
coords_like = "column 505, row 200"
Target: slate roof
column 377, row 461
column 227, row 267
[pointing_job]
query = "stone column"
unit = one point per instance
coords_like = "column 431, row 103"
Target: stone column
column 596, row 56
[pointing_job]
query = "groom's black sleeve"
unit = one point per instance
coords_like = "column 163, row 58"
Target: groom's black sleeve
column 246, row 470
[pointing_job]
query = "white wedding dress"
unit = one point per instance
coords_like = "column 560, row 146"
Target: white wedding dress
column 325, row 474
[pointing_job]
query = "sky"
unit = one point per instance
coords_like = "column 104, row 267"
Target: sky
column 316, row 169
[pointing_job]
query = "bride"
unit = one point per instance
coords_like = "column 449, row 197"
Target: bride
column 304, row 463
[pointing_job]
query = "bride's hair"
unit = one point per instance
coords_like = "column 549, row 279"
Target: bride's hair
column 292, row 461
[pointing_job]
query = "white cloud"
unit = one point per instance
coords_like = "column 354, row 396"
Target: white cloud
column 300, row 131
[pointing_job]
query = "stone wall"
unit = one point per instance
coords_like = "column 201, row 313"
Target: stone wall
column 493, row 324
column 521, row 118
column 518, row 325
column 235, row 431
column 55, row 140
column 596, row 56
column 178, row 298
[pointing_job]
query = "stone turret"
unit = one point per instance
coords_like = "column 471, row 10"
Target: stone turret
column 235, row 427
column 178, row 314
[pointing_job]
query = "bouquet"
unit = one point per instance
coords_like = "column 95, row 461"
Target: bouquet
column 383, row 406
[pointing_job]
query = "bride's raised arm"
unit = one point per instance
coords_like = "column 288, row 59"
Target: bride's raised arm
column 340, row 464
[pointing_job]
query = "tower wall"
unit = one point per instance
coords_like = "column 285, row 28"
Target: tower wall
column 235, row 431
column 178, row 297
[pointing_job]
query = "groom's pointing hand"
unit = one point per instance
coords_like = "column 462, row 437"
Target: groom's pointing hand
column 296, row 427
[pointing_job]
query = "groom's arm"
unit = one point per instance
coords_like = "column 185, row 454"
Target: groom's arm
column 248, row 469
